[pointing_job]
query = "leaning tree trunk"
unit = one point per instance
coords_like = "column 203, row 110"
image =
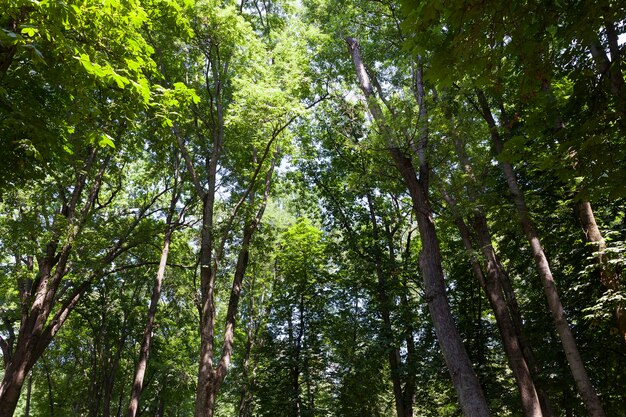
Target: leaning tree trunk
column 144, row 350
column 466, row 384
column 142, row 363
column 583, row 383
column 491, row 284
column 495, row 268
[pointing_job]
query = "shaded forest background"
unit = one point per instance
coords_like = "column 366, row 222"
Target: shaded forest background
column 312, row 208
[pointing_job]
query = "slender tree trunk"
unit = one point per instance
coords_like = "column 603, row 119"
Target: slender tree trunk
column 493, row 290
column 144, row 350
column 585, row 387
column 466, row 384
column 608, row 277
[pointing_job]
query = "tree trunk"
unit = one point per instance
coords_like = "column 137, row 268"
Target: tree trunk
column 587, row 392
column 12, row 385
column 204, row 401
column 483, row 234
column 608, row 277
column 493, row 290
column 217, row 374
column 144, row 350
column 465, row 381
column 466, row 384
column 204, row 404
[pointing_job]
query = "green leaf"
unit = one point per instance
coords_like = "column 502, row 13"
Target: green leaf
column 106, row 140
column 29, row 31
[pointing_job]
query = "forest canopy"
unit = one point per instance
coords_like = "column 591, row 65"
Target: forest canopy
column 296, row 208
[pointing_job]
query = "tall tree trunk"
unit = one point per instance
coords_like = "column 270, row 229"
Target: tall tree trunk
column 210, row 376
column 467, row 386
column 495, row 268
column 144, row 350
column 493, row 290
column 204, row 404
column 208, row 265
column 583, row 383
column 608, row 277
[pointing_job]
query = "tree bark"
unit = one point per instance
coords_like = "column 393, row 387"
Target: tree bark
column 204, row 402
column 467, row 386
column 144, row 350
column 583, row 383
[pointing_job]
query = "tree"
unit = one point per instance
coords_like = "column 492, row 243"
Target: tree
column 468, row 389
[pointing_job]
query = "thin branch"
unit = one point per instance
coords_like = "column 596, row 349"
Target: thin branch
column 189, row 163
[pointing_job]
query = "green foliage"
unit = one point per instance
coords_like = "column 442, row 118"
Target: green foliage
column 337, row 248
